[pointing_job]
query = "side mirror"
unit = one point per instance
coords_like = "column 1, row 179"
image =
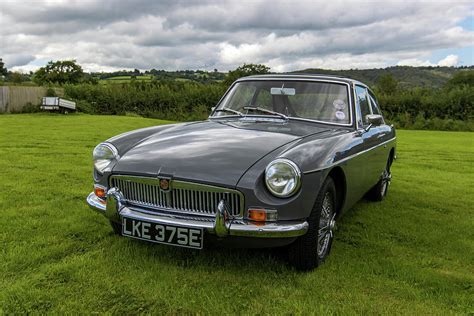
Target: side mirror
column 374, row 120
column 213, row 108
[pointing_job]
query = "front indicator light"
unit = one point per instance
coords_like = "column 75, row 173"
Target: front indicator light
column 262, row 215
column 99, row 191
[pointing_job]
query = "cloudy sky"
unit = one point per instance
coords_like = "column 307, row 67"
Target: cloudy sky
column 105, row 35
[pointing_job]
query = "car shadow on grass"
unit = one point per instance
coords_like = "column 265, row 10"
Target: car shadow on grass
column 214, row 257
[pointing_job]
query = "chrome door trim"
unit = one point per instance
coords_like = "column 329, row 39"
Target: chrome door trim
column 349, row 157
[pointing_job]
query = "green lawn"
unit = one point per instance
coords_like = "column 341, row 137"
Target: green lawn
column 411, row 254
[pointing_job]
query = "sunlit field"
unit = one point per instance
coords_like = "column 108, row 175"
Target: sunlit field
column 411, row 254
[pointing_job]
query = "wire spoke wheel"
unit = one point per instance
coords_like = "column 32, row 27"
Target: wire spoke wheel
column 386, row 178
column 311, row 249
column 380, row 190
column 326, row 225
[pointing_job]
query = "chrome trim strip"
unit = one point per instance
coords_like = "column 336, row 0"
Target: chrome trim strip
column 94, row 203
column 241, row 228
column 234, row 227
column 295, row 79
column 349, row 157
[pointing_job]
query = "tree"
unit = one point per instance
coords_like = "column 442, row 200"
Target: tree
column 17, row 77
column 245, row 70
column 3, row 70
column 387, row 84
column 464, row 77
column 60, row 72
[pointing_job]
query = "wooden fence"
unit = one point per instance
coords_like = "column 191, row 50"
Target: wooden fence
column 14, row 98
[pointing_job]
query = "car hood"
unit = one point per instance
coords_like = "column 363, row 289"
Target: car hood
column 217, row 152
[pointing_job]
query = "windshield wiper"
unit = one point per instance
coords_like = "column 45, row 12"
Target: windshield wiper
column 229, row 111
column 266, row 111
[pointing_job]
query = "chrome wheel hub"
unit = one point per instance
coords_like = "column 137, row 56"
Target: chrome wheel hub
column 332, row 225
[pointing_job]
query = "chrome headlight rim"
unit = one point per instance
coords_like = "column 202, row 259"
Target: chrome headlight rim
column 297, row 177
column 114, row 156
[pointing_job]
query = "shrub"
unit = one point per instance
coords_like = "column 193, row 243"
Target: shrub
column 169, row 100
column 418, row 108
column 85, row 107
column 30, row 108
column 51, row 92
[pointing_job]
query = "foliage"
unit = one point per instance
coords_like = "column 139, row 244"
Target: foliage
column 445, row 109
column 461, row 78
column 408, row 255
column 201, row 76
column 3, row 69
column 51, row 92
column 245, row 70
column 159, row 99
column 30, row 108
column 406, row 121
column 387, row 84
column 406, row 76
column 59, row 72
column 17, row 77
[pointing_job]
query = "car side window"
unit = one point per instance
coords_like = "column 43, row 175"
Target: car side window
column 374, row 104
column 363, row 106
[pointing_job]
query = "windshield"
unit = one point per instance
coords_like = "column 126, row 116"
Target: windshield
column 321, row 101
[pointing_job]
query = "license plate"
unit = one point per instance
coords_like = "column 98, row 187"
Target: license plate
column 163, row 233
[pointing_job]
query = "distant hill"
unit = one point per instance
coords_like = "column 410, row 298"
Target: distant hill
column 408, row 77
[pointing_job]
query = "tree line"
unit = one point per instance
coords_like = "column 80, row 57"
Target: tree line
column 448, row 107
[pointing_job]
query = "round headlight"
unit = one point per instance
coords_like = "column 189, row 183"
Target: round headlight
column 103, row 155
column 282, row 177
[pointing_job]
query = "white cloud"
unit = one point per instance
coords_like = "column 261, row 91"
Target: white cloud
column 448, row 61
column 179, row 34
column 414, row 62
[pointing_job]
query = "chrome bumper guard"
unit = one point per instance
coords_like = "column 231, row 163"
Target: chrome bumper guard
column 223, row 225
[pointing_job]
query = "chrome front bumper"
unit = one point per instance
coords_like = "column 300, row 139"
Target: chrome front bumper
column 222, row 225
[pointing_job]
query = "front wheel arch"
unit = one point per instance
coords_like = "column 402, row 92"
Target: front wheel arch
column 391, row 156
column 339, row 179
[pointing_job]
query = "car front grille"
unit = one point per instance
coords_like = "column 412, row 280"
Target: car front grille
column 182, row 197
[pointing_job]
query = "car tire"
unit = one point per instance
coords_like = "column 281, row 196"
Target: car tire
column 307, row 252
column 117, row 227
column 380, row 190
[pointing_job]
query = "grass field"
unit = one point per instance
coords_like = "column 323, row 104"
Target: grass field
column 125, row 79
column 411, row 254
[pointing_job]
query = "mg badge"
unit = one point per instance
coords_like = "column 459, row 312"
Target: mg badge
column 164, row 184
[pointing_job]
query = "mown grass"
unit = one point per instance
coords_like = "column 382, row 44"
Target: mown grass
column 411, row 254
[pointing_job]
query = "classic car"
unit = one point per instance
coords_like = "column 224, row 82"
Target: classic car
column 278, row 161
